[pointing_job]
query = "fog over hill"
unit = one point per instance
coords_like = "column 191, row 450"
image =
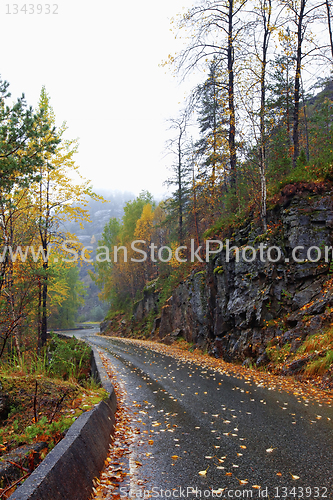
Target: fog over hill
column 89, row 234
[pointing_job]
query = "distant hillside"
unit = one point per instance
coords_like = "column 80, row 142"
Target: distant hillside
column 326, row 93
column 89, row 234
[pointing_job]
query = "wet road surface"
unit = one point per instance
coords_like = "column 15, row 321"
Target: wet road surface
column 239, row 433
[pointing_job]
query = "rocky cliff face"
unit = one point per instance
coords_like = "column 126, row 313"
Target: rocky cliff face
column 234, row 307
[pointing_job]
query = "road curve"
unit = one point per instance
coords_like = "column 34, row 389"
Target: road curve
column 240, row 433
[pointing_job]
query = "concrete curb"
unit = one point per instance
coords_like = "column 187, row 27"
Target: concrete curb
column 68, row 471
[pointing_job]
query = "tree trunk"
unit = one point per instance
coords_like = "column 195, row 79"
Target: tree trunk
column 43, row 333
column 297, row 82
column 288, row 110
column 195, row 212
column 306, row 126
column 231, row 103
column 266, row 14
column 39, row 316
column 180, row 190
column 44, row 230
column 328, row 8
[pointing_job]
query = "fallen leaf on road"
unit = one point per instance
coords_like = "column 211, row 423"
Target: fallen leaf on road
column 203, row 472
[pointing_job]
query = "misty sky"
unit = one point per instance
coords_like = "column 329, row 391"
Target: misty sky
column 99, row 63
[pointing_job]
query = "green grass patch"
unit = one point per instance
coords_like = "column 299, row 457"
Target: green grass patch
column 277, row 354
column 320, row 366
column 42, row 395
column 317, row 342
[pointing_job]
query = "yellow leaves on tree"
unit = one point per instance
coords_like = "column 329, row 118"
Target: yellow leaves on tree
column 144, row 226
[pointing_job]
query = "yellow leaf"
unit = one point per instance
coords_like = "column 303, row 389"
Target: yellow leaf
column 203, row 472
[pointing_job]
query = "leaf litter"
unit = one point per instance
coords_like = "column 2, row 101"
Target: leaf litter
column 117, row 473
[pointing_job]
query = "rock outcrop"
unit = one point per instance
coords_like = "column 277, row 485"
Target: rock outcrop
column 235, row 306
column 149, row 302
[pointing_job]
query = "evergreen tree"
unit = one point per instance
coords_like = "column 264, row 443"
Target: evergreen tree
column 279, row 114
column 212, row 119
column 24, row 137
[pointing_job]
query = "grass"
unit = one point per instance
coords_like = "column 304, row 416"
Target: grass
column 41, row 408
column 61, row 358
column 320, row 366
column 184, row 344
column 317, row 342
column 320, row 344
column 44, row 395
column 277, row 354
column 317, row 349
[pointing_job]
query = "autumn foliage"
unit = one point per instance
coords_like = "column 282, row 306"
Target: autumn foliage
column 37, row 195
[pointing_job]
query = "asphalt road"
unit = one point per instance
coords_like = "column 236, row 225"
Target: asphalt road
column 233, row 429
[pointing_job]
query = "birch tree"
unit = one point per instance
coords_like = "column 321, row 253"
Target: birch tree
column 216, row 29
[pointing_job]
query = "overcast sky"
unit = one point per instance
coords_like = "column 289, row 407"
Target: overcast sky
column 99, row 62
